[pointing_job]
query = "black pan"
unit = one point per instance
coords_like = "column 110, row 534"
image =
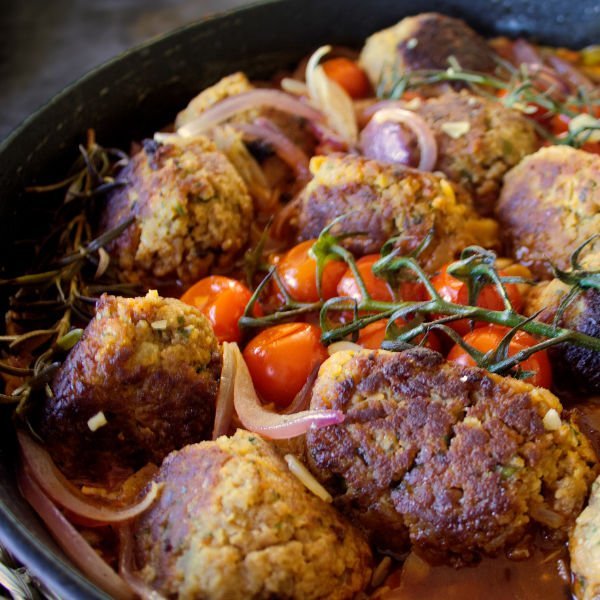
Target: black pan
column 141, row 90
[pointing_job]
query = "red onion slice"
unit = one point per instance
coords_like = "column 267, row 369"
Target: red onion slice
column 224, row 405
column 525, row 53
column 301, row 400
column 71, row 541
column 255, row 417
column 127, row 569
column 289, row 153
column 427, row 143
column 570, row 72
column 221, row 111
column 53, row 483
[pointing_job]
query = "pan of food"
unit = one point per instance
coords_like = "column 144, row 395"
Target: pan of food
column 303, row 301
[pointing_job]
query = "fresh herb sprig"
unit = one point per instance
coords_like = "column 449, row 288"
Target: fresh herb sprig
column 49, row 308
column 476, row 267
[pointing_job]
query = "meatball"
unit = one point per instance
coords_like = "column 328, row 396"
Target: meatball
column 192, row 212
column 584, row 548
column 384, row 200
column 425, row 41
column 233, row 523
column 478, row 141
column 453, row 459
column 549, row 205
column 141, row 382
column 232, row 85
column 575, row 368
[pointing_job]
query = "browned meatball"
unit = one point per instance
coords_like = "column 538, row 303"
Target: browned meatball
column 425, row 41
column 478, row 141
column 140, row 383
column 575, row 369
column 192, row 212
column 549, row 205
column 232, row 523
column 455, row 459
column 384, row 200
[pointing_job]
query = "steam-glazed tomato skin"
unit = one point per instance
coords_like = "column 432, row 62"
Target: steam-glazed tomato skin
column 298, row 271
column 223, row 301
column 489, row 337
column 281, row 358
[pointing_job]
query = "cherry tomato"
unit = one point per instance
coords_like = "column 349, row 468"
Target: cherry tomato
column 454, row 290
column 349, row 75
column 299, row 273
column 378, row 288
column 223, row 301
column 281, row 358
column 489, row 337
column 373, row 335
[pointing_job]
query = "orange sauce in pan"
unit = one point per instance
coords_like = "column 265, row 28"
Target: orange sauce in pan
column 545, row 575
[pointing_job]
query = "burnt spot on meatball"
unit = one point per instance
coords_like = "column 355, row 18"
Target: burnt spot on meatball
column 382, row 200
column 424, row 41
column 549, row 206
column 149, row 368
column 453, row 459
column 233, row 522
column 191, row 208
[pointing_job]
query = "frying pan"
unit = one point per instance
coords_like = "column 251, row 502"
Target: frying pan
column 136, row 93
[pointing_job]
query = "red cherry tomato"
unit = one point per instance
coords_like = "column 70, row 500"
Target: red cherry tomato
column 373, row 335
column 348, row 75
column 281, row 358
column 378, row 288
column 223, row 301
column 454, row 290
column 489, row 337
column 299, row 273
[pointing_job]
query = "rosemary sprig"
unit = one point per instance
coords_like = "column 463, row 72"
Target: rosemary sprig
column 476, row 267
column 48, row 308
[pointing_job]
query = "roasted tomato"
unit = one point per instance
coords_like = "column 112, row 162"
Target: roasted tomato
column 348, row 75
column 299, row 273
column 378, row 288
column 281, row 358
column 489, row 337
column 223, row 301
column 373, row 335
column 454, row 290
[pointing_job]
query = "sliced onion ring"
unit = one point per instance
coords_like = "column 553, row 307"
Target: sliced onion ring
column 127, row 568
column 302, row 398
column 570, row 72
column 45, row 473
column 427, row 144
column 71, row 541
column 225, row 109
column 289, row 153
column 224, row 405
column 258, row 419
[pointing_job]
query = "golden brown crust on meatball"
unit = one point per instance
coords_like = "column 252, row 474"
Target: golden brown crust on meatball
column 456, row 459
column 233, row 523
column 549, row 205
column 151, row 367
column 424, row 41
column 495, row 139
column 192, row 211
column 384, row 200
column 575, row 369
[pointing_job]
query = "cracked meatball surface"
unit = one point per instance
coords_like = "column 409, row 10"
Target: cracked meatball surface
column 192, row 211
column 384, row 200
column 455, row 460
column 233, row 523
column 151, row 367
